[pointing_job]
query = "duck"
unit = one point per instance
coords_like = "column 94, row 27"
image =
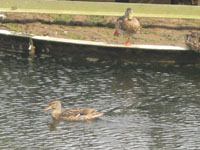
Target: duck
column 31, row 47
column 127, row 26
column 192, row 41
column 74, row 114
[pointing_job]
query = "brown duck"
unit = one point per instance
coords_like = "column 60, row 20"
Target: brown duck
column 192, row 41
column 75, row 114
column 127, row 26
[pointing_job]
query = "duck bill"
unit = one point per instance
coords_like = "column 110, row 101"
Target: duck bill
column 130, row 16
column 48, row 108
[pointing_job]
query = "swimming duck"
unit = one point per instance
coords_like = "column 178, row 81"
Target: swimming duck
column 127, row 25
column 192, row 41
column 75, row 114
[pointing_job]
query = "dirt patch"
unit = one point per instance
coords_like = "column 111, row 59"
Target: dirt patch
column 156, row 31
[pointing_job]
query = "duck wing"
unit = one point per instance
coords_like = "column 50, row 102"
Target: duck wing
column 126, row 26
column 131, row 26
column 77, row 112
column 119, row 23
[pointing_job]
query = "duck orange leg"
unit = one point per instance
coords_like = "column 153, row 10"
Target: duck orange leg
column 128, row 43
column 116, row 33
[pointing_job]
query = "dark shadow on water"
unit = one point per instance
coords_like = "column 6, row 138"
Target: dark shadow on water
column 52, row 126
column 56, row 123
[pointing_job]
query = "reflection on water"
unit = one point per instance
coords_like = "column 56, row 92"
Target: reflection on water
column 146, row 106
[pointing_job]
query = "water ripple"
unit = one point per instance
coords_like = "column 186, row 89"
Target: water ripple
column 146, row 106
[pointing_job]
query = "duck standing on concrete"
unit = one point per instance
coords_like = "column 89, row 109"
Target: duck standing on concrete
column 192, row 41
column 75, row 114
column 127, row 25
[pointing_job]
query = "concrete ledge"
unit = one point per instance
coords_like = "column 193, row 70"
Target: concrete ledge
column 17, row 42
column 82, row 42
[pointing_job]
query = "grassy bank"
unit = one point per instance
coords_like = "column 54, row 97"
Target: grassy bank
column 99, row 8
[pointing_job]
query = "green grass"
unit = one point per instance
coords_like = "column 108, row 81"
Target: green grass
column 72, row 35
column 62, row 19
column 75, row 36
column 96, row 20
column 194, row 21
column 101, row 9
column 13, row 27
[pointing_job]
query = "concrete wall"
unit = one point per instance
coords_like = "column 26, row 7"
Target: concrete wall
column 19, row 44
column 151, row 1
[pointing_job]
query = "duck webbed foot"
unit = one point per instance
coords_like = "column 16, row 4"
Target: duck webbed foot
column 128, row 43
column 116, row 33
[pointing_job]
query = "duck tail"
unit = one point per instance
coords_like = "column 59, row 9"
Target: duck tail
column 97, row 114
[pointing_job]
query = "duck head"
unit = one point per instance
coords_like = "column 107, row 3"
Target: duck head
column 129, row 13
column 56, row 107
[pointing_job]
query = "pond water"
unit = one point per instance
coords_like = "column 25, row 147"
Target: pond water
column 145, row 106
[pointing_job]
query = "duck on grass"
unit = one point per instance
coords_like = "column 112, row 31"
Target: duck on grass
column 127, row 26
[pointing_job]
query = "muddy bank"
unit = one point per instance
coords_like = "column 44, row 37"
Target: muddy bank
column 155, row 31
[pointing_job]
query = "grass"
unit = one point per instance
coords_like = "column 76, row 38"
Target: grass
column 149, row 32
column 62, row 19
column 13, row 26
column 72, row 35
column 75, row 36
column 101, row 9
column 194, row 21
column 96, row 20
column 86, row 20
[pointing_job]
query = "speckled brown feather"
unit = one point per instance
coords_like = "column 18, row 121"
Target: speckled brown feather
column 75, row 114
column 77, row 111
column 192, row 41
column 127, row 27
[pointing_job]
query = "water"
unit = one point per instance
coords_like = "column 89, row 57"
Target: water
column 146, row 106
